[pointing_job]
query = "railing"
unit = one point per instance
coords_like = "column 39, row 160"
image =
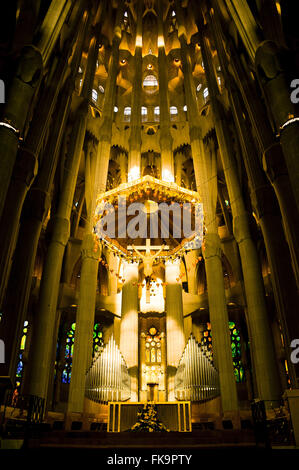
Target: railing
column 276, row 431
column 30, row 407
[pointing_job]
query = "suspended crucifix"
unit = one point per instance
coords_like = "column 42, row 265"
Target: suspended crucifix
column 148, row 260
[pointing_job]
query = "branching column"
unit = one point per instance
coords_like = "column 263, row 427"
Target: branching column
column 271, row 71
column 129, row 325
column 135, row 135
column 27, row 78
column 174, row 323
column 165, row 135
column 42, row 347
column 265, row 367
column 266, row 209
column 205, row 168
column 96, row 172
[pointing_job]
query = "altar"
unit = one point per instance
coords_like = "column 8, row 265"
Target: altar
column 176, row 416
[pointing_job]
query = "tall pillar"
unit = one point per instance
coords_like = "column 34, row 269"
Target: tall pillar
column 265, row 367
column 135, row 135
column 113, row 262
column 266, row 209
column 165, row 135
column 246, row 25
column 266, row 57
column 30, row 154
column 276, row 87
column 84, row 324
column 129, row 325
column 174, row 323
column 205, row 168
column 179, row 157
column 47, row 304
column 272, row 156
column 123, row 167
column 28, row 74
column 51, row 26
column 48, row 296
column 95, row 182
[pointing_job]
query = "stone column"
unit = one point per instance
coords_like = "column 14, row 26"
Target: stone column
column 135, row 135
column 276, row 87
column 42, row 346
column 205, row 168
column 123, row 167
column 165, row 135
column 96, row 181
column 25, row 82
column 174, row 322
column 26, row 166
column 129, row 325
column 266, row 208
column 48, row 296
column 51, row 26
column 84, row 324
column 265, row 367
column 272, row 75
column 190, row 259
column 179, row 157
column 113, row 262
column 272, row 157
column 246, row 25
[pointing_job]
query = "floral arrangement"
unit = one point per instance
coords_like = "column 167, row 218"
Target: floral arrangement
column 148, row 420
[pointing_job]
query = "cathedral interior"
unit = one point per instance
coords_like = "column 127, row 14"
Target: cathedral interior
column 187, row 103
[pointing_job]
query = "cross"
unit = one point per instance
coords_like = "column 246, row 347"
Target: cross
column 148, row 260
column 148, row 247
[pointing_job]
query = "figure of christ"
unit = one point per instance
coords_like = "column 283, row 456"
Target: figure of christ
column 148, row 260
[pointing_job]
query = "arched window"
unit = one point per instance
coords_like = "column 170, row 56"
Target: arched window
column 150, row 81
column 173, row 110
column 94, row 95
column 157, row 113
column 127, row 113
column 206, row 94
column 153, row 352
column 102, row 89
column 143, row 113
column 150, row 84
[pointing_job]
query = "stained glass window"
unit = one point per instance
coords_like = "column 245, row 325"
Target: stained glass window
column 20, row 366
column 69, row 349
column 236, row 352
column 153, row 352
column 97, row 339
column 235, row 345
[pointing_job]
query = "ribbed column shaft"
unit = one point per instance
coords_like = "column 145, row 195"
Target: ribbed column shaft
column 129, row 325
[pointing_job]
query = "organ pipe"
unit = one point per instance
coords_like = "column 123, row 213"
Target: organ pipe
column 196, row 378
column 107, row 378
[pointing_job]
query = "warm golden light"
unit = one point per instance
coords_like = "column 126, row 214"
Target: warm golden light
column 139, row 41
column 161, row 42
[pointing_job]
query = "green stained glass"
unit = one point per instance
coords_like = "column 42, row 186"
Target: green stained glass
column 235, row 346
